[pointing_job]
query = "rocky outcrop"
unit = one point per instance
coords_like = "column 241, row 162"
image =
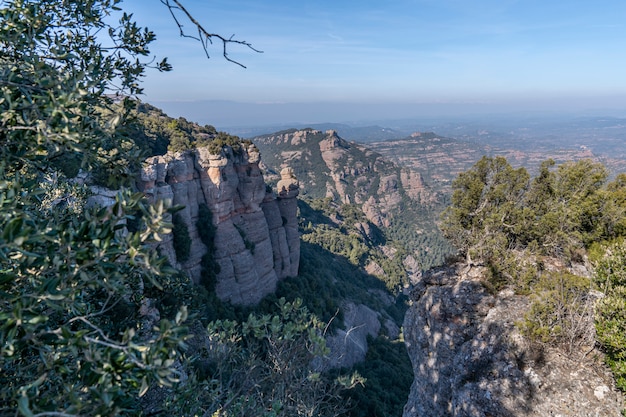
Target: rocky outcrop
column 470, row 360
column 256, row 238
column 348, row 346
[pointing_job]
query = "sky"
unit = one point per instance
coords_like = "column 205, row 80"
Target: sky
column 388, row 54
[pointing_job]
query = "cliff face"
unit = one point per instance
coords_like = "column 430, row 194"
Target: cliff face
column 256, row 239
column 346, row 171
column 470, row 360
column 392, row 197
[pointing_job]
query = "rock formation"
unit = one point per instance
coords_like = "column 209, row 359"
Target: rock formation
column 470, row 360
column 348, row 346
column 330, row 166
column 256, row 239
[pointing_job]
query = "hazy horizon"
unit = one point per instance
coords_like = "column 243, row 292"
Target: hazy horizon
column 225, row 114
column 328, row 61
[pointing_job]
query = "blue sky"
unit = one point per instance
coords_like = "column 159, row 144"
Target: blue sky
column 405, row 51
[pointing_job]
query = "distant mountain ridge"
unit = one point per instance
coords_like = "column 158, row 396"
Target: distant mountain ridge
column 329, row 166
column 347, row 131
column 441, row 159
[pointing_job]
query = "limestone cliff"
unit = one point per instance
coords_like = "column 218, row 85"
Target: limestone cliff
column 256, row 239
column 469, row 359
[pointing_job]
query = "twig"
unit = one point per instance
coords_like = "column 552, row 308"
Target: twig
column 204, row 37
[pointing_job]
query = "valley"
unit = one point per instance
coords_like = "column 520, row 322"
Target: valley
column 439, row 149
column 304, row 229
column 423, row 266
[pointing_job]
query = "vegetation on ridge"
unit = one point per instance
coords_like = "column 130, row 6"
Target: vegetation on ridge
column 364, row 177
column 515, row 225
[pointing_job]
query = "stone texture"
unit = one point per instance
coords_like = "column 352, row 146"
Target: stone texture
column 257, row 240
column 348, row 346
column 347, row 172
column 470, row 360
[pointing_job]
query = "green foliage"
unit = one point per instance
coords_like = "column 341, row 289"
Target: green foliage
column 611, row 310
column 505, row 220
column 155, row 133
column 54, row 81
column 61, row 197
column 182, row 241
column 332, row 239
column 182, row 134
column 224, row 139
column 571, row 219
column 247, row 243
column 346, row 237
column 610, row 327
column 385, row 361
column 559, row 312
column 262, row 367
column 324, row 280
column 559, row 213
column 67, row 283
column 414, row 228
column 207, row 230
column 485, row 209
column 72, row 338
column 613, row 208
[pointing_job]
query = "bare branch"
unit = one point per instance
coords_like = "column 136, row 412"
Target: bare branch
column 205, row 37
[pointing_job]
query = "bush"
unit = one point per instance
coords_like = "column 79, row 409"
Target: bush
column 385, row 361
column 207, row 230
column 182, row 241
column 611, row 310
column 248, row 244
column 261, row 366
column 71, row 342
column 561, row 312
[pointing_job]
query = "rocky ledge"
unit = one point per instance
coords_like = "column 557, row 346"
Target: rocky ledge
column 469, row 359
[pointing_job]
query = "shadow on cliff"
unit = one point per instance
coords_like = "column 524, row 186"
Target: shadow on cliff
column 458, row 338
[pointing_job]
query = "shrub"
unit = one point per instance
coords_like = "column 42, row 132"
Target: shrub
column 261, row 366
column 561, row 312
column 206, row 230
column 611, row 310
column 385, row 361
column 182, row 241
column 249, row 244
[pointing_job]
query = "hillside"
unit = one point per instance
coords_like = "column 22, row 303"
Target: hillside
column 340, row 265
column 148, row 269
column 394, row 198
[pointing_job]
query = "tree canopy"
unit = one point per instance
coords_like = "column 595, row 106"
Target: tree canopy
column 561, row 210
column 73, row 339
column 502, row 218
